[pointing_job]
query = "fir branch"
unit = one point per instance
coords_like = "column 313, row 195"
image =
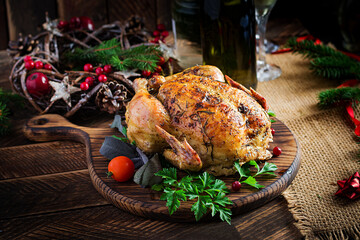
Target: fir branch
column 326, row 61
column 142, row 57
column 334, row 96
column 4, row 120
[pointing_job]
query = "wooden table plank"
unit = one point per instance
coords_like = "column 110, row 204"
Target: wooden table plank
column 47, row 193
column 109, row 222
column 41, row 158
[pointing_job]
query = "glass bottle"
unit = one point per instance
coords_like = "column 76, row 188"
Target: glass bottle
column 228, row 38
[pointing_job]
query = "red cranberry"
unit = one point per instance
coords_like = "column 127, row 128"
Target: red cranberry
column 88, row 67
column 156, row 33
column 107, row 69
column 161, row 60
column 272, row 131
column 86, row 23
column 236, row 186
column 145, row 73
column 27, row 58
column 99, row 71
column 75, row 23
column 165, row 34
column 158, row 69
column 89, row 80
column 48, row 66
column 102, row 78
column 39, row 65
column 276, row 151
column 84, row 86
column 160, row 27
column 29, row 65
column 62, row 24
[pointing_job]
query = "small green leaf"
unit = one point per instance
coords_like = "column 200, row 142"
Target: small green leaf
column 243, row 170
column 272, row 120
column 199, row 209
column 225, row 215
column 254, row 163
column 269, row 168
column 157, row 187
column 252, row 182
column 271, row 113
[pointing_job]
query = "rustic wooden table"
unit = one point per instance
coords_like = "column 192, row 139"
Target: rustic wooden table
column 46, row 192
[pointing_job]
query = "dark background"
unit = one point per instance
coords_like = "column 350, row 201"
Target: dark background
column 320, row 17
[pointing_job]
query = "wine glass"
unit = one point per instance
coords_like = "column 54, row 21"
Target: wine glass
column 265, row 71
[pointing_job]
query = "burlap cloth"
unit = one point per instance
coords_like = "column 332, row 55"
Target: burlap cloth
column 328, row 150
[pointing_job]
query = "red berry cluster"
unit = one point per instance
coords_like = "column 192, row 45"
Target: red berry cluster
column 100, row 72
column 158, row 69
column 160, row 34
column 30, row 64
column 82, row 22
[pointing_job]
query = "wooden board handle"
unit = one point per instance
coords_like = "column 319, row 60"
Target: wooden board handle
column 51, row 127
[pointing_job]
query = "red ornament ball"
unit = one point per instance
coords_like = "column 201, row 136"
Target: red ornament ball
column 145, row 73
column 107, row 69
column 160, row 27
column 84, row 86
column 39, row 65
column 86, row 23
column 272, row 131
column 236, row 186
column 37, row 84
column 29, row 65
column 62, row 24
column 99, row 71
column 88, row 67
column 89, row 80
column 102, row 78
column 27, row 58
column 161, row 60
column 276, row 151
column 48, row 66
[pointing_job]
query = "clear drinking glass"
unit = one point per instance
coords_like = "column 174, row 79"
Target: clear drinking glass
column 265, row 71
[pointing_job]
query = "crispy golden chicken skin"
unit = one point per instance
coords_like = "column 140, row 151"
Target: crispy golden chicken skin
column 199, row 123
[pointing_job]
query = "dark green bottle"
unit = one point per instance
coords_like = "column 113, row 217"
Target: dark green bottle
column 228, row 38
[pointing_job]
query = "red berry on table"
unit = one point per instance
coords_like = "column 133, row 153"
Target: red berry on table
column 99, row 71
column 236, row 186
column 160, row 27
column 84, row 86
column 272, row 131
column 165, row 34
column 89, row 80
column 48, row 66
column 29, row 65
column 62, row 24
column 107, row 69
column 102, row 78
column 39, row 65
column 88, row 67
column 86, row 23
column 156, row 33
column 145, row 73
column 161, row 60
column 27, row 58
column 37, row 84
column 276, row 151
column 158, row 69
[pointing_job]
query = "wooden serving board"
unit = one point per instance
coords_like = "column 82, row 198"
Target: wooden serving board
column 145, row 202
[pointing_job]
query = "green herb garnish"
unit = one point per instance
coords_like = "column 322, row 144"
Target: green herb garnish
column 245, row 172
column 209, row 192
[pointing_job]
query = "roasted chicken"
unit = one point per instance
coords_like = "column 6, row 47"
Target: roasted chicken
column 198, row 121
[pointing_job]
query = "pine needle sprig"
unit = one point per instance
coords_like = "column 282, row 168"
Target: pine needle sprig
column 334, row 96
column 326, row 61
column 4, row 119
column 143, row 57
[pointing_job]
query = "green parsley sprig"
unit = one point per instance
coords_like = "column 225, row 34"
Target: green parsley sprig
column 245, row 172
column 209, row 192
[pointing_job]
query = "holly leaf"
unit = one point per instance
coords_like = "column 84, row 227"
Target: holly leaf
column 252, row 182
